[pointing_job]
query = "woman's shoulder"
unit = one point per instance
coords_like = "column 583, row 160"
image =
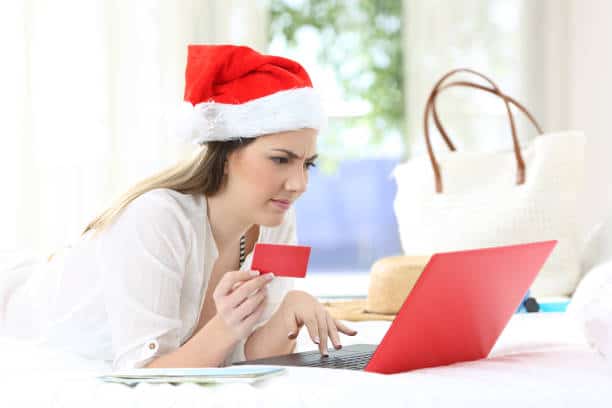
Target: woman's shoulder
column 160, row 209
column 184, row 205
column 155, row 219
column 173, row 197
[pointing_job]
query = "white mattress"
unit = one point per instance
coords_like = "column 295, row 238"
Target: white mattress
column 541, row 360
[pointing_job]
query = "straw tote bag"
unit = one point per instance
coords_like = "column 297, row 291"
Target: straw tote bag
column 448, row 201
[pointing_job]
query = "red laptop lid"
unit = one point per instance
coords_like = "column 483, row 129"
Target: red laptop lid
column 459, row 306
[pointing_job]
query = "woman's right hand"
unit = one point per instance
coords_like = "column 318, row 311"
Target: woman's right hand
column 240, row 298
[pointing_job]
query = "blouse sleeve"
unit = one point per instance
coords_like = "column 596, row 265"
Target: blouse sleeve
column 277, row 289
column 142, row 257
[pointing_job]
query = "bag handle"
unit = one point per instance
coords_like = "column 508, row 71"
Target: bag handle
column 510, row 99
column 430, row 106
column 436, row 89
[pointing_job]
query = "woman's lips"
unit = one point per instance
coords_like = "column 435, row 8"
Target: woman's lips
column 282, row 204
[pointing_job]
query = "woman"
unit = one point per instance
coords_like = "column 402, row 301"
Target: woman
column 162, row 278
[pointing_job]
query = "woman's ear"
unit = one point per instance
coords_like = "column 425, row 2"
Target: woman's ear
column 232, row 156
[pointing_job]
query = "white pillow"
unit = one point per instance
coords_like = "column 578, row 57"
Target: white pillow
column 591, row 306
column 597, row 247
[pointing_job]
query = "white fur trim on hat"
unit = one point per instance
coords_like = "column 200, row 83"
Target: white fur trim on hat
column 281, row 111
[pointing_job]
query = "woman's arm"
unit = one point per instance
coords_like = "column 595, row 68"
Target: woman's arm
column 201, row 350
column 270, row 339
column 237, row 312
column 297, row 309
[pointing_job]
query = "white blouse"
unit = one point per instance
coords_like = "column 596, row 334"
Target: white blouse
column 135, row 291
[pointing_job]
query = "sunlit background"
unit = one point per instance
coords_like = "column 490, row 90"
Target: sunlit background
column 89, row 89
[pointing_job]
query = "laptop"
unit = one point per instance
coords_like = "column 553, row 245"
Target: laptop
column 455, row 312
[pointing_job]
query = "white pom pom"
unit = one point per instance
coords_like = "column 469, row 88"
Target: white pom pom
column 184, row 130
column 199, row 124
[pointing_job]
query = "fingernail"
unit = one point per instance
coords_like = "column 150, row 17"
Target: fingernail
column 254, row 273
column 317, row 340
column 290, row 334
column 270, row 276
column 339, row 346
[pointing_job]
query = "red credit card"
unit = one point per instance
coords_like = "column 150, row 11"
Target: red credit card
column 282, row 260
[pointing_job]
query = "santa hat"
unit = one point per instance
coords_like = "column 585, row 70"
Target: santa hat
column 235, row 92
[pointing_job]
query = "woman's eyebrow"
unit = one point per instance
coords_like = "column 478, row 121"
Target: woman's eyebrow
column 295, row 156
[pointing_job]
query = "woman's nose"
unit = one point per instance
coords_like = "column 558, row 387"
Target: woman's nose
column 298, row 180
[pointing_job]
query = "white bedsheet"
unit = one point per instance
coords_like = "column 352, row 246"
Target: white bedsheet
column 541, row 360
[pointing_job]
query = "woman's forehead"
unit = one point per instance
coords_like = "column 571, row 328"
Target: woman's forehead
column 302, row 142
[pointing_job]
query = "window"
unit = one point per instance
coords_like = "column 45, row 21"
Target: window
column 375, row 63
column 352, row 50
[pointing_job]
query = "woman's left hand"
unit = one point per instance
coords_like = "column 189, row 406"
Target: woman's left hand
column 299, row 309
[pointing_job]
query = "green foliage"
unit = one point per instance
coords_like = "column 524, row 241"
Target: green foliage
column 362, row 43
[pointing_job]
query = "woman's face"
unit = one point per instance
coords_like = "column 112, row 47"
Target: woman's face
column 269, row 174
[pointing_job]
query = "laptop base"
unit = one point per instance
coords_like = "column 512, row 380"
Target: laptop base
column 353, row 357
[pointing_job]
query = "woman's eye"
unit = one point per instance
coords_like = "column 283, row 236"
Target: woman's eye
column 280, row 160
column 285, row 160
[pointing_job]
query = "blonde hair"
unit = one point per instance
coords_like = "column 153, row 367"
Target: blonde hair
column 200, row 173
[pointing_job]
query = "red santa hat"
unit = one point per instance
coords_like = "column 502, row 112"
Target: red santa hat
column 235, row 92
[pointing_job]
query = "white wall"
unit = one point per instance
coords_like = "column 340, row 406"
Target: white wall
column 88, row 95
column 590, row 96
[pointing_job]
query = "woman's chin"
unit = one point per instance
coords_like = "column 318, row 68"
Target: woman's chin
column 271, row 220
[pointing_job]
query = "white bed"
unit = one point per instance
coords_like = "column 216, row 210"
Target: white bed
column 541, row 360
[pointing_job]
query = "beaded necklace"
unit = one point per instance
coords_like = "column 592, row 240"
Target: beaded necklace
column 242, row 249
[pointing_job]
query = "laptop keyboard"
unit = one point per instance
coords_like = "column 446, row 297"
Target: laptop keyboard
column 352, row 361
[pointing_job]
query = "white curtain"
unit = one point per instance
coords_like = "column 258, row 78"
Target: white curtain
column 570, row 83
column 552, row 55
column 489, row 36
column 88, row 89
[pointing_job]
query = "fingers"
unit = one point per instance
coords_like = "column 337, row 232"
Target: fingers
column 302, row 309
column 237, row 285
column 251, row 319
column 225, row 285
column 313, row 330
column 322, row 326
column 344, row 329
column 333, row 332
column 292, row 325
column 317, row 328
column 249, row 322
column 249, row 287
column 250, row 304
